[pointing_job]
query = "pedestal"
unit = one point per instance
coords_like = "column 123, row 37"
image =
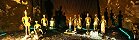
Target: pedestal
column 51, row 28
column 95, row 35
column 70, row 32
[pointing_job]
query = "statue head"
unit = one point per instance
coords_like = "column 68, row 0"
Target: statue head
column 102, row 17
column 43, row 16
column 87, row 14
column 70, row 17
column 79, row 15
column 95, row 15
column 75, row 16
column 36, row 22
column 25, row 12
column 52, row 18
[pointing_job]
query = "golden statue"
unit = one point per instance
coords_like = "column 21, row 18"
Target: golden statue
column 70, row 23
column 44, row 21
column 75, row 22
column 24, row 3
column 88, row 21
column 96, row 20
column 37, row 28
column 26, row 23
column 79, row 22
column 103, row 24
column 52, row 23
column 17, row 1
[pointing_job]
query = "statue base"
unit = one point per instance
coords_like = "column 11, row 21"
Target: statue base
column 79, row 27
column 70, row 32
column 51, row 28
column 26, row 37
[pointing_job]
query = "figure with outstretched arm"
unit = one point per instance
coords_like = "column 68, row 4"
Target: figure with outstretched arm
column 37, row 27
column 70, row 23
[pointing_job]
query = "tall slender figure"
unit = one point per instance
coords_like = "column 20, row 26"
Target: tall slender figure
column 88, row 21
column 103, row 25
column 96, row 21
column 26, row 23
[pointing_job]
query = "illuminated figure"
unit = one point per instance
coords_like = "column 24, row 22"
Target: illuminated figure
column 96, row 20
column 70, row 23
column 52, row 23
column 25, row 3
column 37, row 28
column 79, row 23
column 88, row 21
column 44, row 21
column 26, row 23
column 75, row 22
column 17, row 1
column 103, row 23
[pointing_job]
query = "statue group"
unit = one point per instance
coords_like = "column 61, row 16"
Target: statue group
column 76, row 22
column 37, row 27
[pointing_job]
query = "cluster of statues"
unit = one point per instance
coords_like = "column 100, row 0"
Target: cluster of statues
column 37, row 27
column 77, row 23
